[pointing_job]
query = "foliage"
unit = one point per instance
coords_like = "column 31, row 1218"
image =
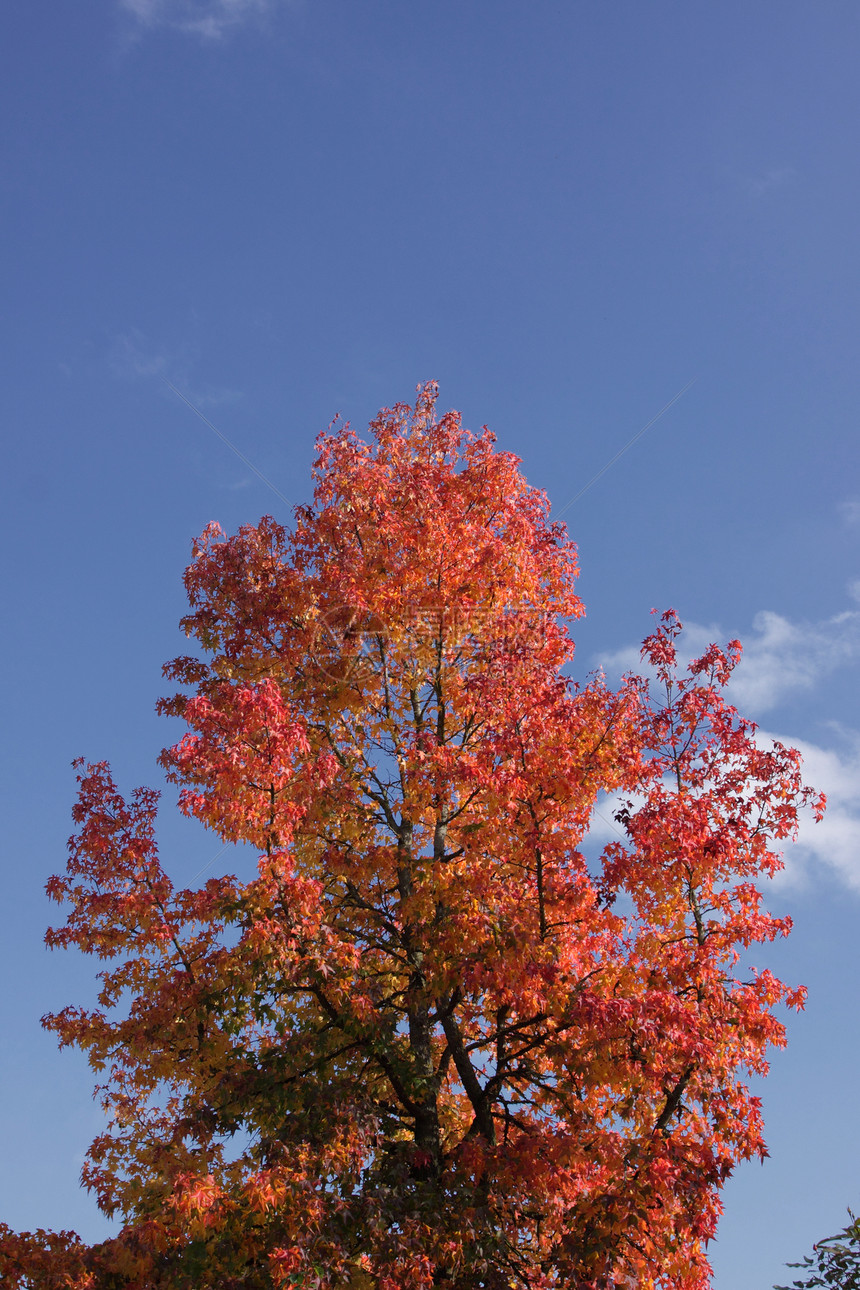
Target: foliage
column 836, row 1261
column 429, row 1043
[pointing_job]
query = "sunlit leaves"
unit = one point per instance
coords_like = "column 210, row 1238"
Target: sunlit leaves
column 430, row 1043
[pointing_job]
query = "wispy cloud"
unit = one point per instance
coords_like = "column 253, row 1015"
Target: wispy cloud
column 133, row 356
column 207, row 19
column 850, row 511
column 781, row 658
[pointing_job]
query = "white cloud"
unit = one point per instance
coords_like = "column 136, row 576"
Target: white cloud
column 602, row 826
column 835, row 841
column 208, row 19
column 784, row 657
column 780, row 657
column 850, row 511
column 619, row 661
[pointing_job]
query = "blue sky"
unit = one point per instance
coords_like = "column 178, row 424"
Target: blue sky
column 562, row 211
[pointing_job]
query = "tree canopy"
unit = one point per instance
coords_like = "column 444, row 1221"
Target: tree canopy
column 439, row 1038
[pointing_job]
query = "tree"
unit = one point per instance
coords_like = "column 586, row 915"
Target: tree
column 430, row 1044
column 836, row 1262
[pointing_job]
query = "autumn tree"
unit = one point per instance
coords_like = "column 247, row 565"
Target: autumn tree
column 436, row 1040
